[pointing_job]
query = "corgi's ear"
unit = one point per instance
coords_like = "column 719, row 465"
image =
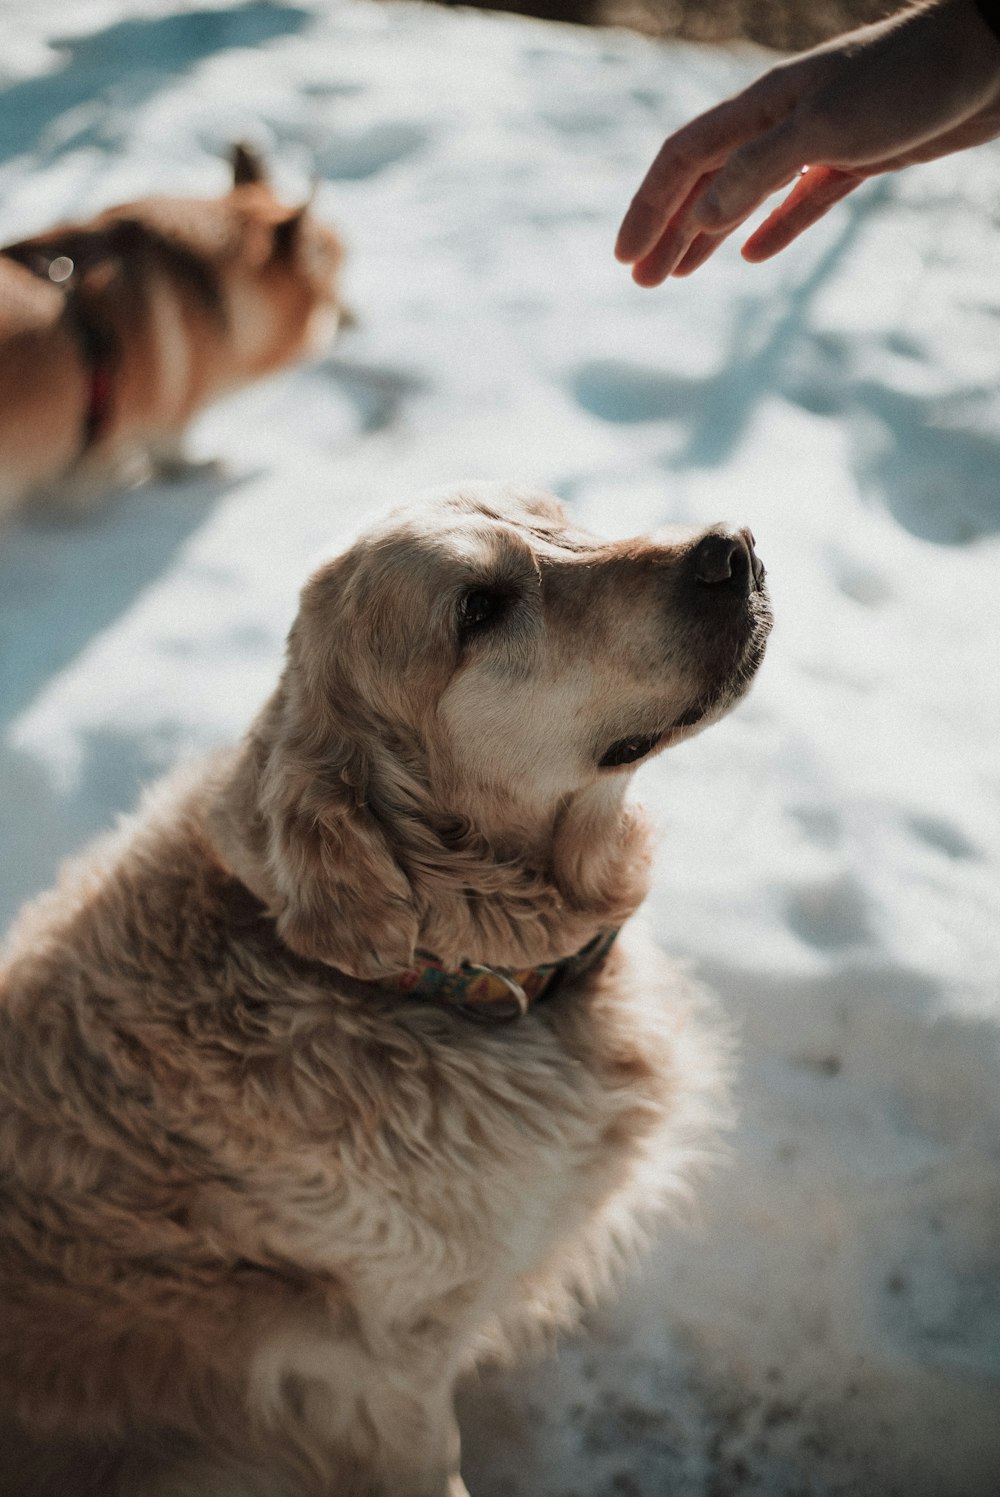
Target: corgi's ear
column 248, row 168
column 288, row 235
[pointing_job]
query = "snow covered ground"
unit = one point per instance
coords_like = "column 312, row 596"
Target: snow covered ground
column 831, row 853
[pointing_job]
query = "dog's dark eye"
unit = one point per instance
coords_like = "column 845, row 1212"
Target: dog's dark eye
column 627, row 751
column 479, row 608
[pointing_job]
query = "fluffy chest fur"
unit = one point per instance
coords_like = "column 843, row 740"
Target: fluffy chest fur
column 222, row 1100
column 270, row 1182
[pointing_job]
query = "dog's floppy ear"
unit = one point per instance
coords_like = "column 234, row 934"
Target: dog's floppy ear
column 248, row 168
column 296, row 823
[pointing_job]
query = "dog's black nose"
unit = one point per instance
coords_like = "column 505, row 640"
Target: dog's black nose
column 727, row 557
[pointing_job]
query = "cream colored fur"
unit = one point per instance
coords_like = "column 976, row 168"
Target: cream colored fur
column 260, row 1210
column 198, row 298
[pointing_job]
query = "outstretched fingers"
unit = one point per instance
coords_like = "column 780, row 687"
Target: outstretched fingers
column 686, row 158
column 692, row 235
column 709, row 178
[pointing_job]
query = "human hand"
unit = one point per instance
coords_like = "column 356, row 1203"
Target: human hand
column 920, row 85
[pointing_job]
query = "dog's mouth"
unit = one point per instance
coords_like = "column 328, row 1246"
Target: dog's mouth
column 641, row 745
column 629, row 751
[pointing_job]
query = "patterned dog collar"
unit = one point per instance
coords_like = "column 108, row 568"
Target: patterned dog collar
column 497, row 995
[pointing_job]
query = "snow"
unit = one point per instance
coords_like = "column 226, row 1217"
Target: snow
column 830, row 862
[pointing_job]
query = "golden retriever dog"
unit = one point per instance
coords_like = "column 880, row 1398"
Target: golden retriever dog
column 335, row 1068
column 114, row 333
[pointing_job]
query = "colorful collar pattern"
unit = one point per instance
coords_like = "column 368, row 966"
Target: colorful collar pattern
column 497, row 994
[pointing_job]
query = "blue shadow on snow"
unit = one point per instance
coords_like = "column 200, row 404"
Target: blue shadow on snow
column 139, row 55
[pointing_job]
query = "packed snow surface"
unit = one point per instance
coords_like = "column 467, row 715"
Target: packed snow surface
column 829, row 1322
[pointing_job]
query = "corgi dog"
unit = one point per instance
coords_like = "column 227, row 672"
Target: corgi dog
column 116, row 331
